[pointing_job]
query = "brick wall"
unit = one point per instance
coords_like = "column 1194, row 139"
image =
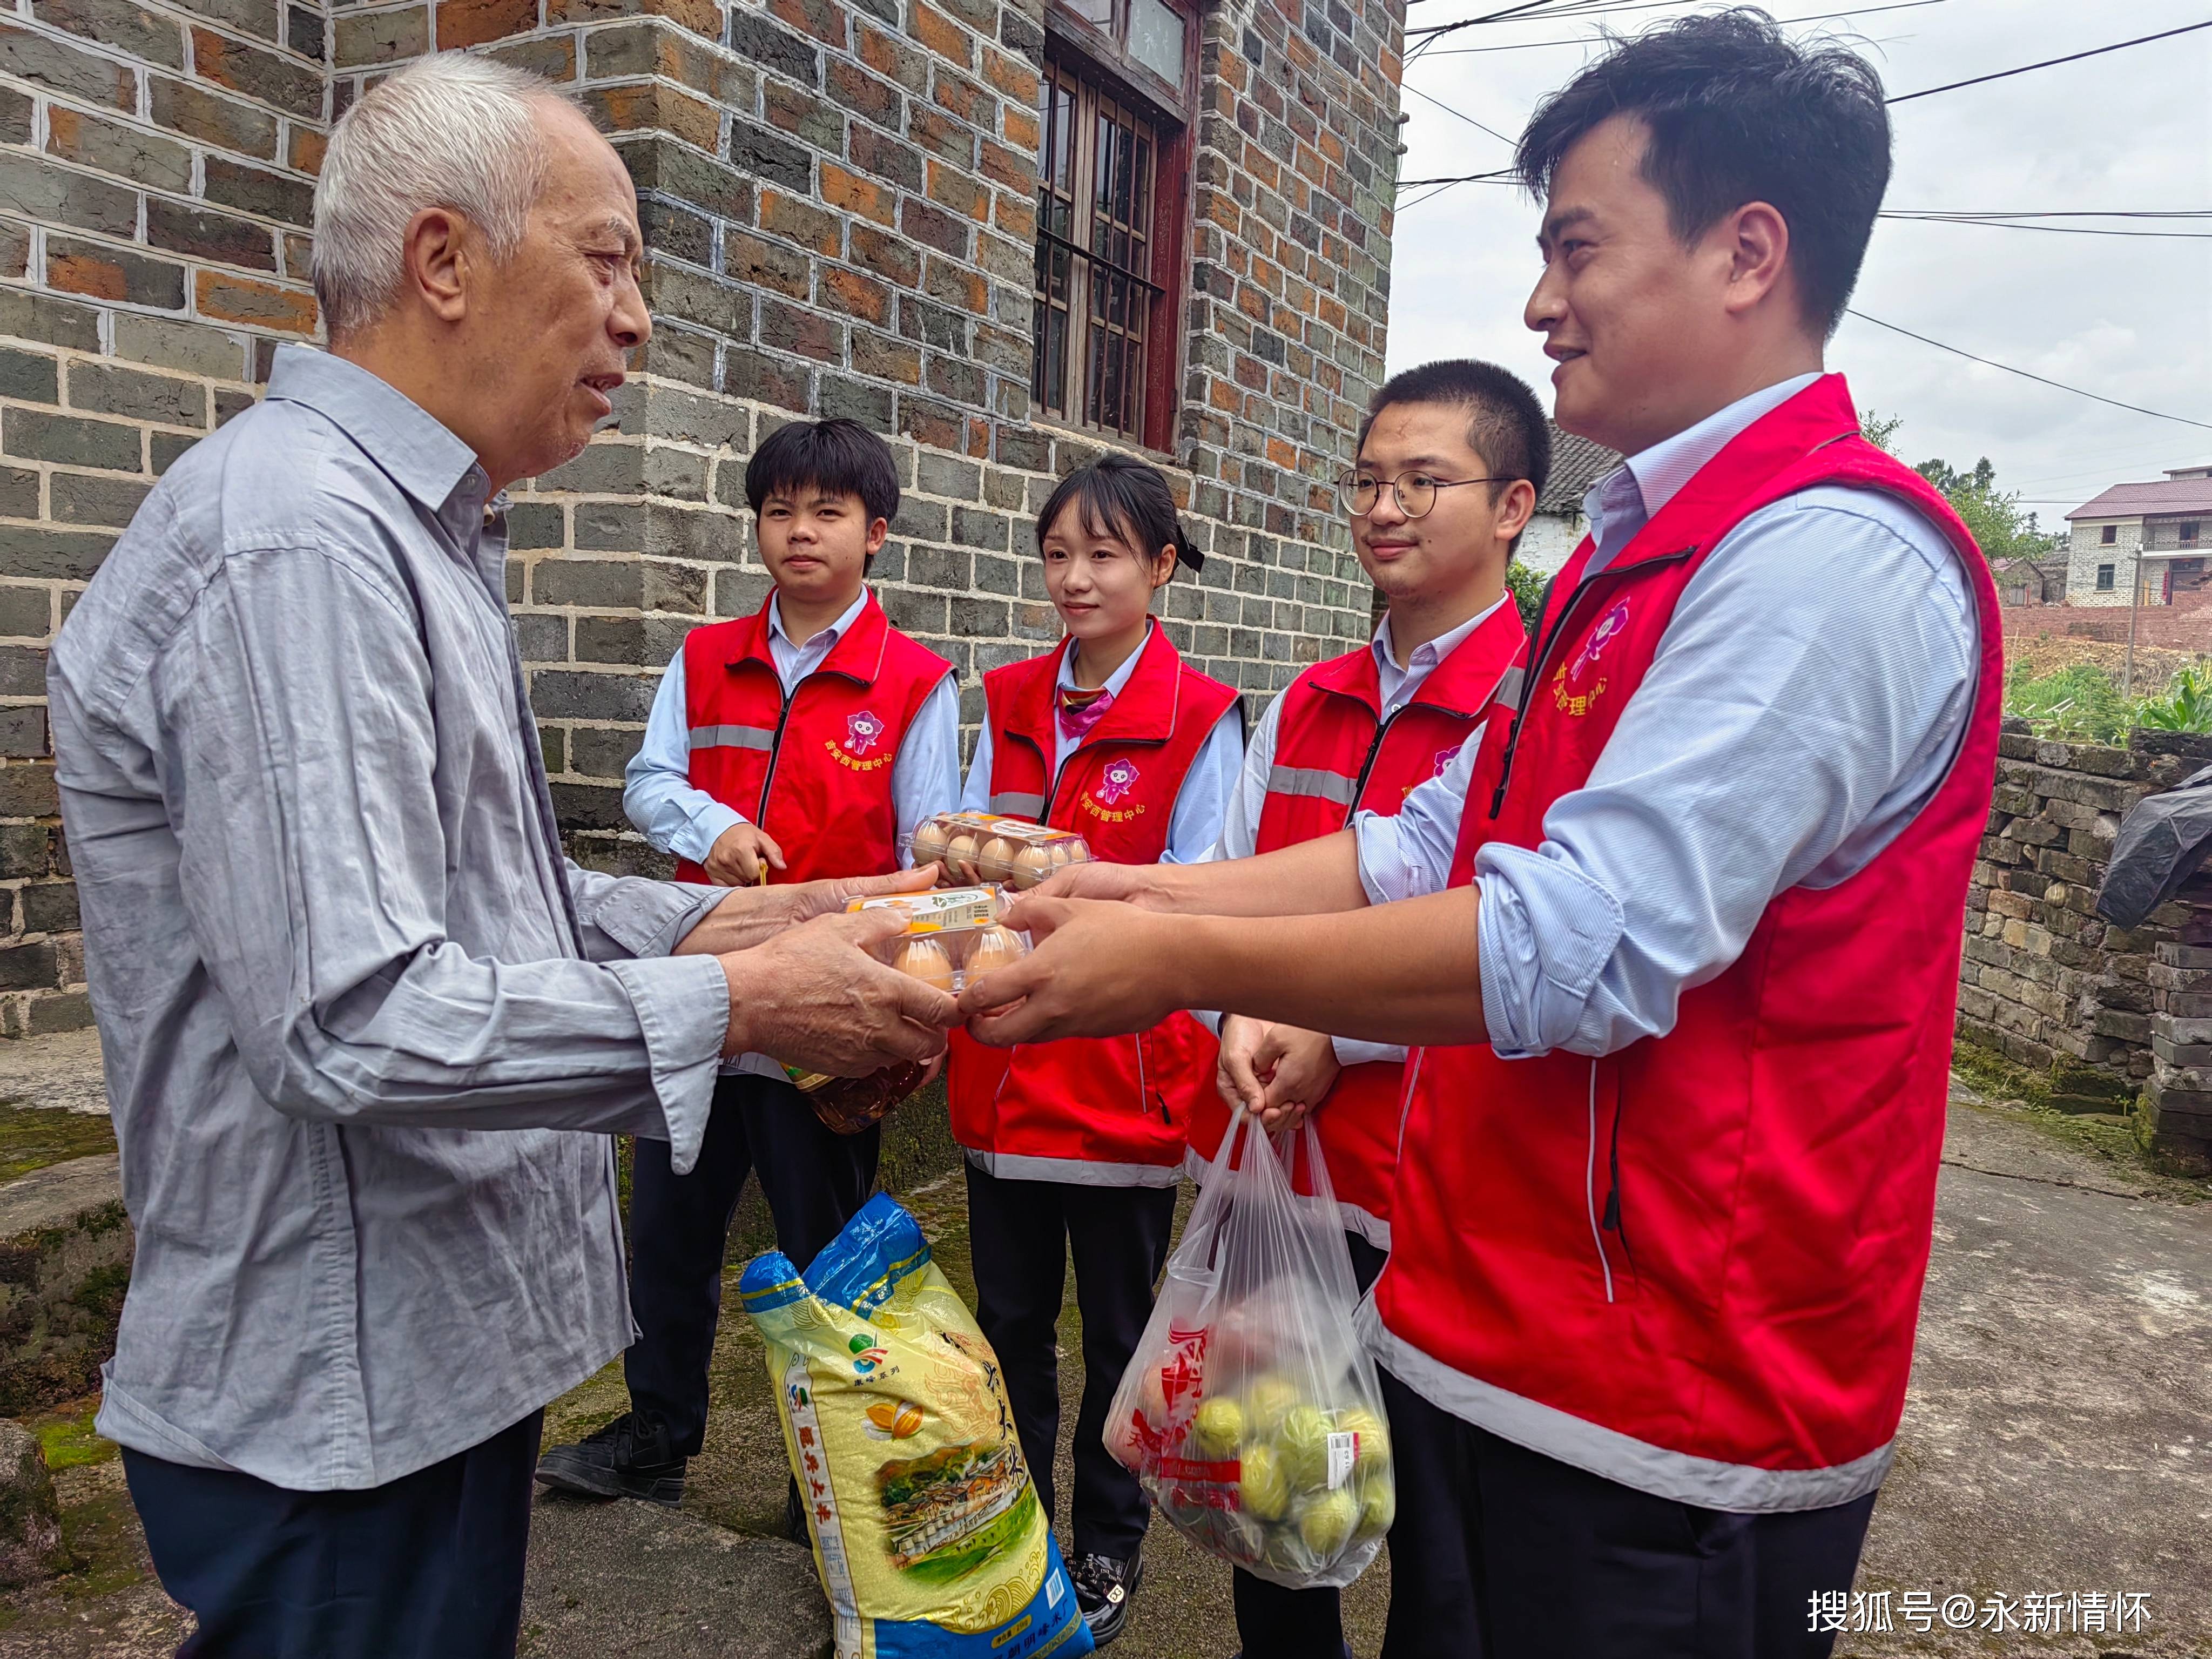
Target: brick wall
column 839, row 203
column 2044, row 984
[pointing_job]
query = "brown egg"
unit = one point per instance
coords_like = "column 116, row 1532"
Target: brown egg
column 993, row 948
column 960, row 849
column 996, row 857
column 924, row 958
column 929, row 843
column 1079, row 850
column 1031, row 866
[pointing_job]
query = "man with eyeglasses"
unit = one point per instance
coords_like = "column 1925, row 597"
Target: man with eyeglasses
column 1450, row 460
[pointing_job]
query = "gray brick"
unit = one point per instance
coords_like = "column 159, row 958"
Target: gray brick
column 756, row 150
column 535, row 524
column 978, row 528
column 44, row 190
column 113, row 273
column 22, row 670
column 18, row 499
column 589, row 805
column 753, row 35
column 29, row 376
column 23, row 736
column 602, row 751
column 602, row 584
column 140, row 156
column 43, row 554
column 267, row 77
column 87, row 498
column 50, row 906
column 166, row 447
column 29, row 967
column 614, row 526
column 553, row 744
column 42, row 58
column 679, row 587
column 541, row 638
column 566, row 694
column 603, row 468
column 256, row 190
column 938, row 474
column 679, row 473
column 130, row 31
column 739, row 592
column 64, row 438
column 612, row 640
column 108, row 389
column 26, row 790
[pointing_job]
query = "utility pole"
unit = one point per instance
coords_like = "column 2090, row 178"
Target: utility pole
column 2135, row 610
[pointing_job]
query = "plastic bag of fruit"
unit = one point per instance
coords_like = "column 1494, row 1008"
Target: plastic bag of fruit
column 925, row 1527
column 1250, row 1413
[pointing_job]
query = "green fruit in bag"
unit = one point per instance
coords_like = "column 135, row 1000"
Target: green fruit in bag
column 1325, row 1520
column 1267, row 1403
column 1219, row 1429
column 1261, row 1486
column 1304, row 1443
column 1374, row 1449
column 1378, row 1505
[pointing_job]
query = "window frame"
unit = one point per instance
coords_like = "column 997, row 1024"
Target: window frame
column 1093, row 57
column 2108, row 577
column 2110, row 536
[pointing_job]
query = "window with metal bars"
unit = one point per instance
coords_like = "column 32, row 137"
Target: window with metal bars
column 1110, row 200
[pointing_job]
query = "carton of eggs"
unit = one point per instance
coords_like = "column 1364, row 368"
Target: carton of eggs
column 952, row 935
column 975, row 847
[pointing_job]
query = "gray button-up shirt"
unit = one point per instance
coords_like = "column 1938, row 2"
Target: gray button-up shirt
column 354, row 1002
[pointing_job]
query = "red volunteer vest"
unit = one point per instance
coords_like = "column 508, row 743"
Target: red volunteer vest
column 814, row 772
column 1694, row 1266
column 1110, row 1111
column 1335, row 753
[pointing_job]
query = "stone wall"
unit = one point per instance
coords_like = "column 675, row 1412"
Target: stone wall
column 839, row 199
column 2047, row 986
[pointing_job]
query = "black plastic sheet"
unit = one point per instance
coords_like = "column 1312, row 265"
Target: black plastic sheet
column 2162, row 841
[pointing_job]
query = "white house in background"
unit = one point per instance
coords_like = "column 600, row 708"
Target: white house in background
column 2158, row 527
column 1558, row 526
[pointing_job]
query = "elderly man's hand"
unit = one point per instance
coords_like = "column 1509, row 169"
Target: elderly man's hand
column 751, row 915
column 813, row 997
column 1099, row 971
column 1145, row 885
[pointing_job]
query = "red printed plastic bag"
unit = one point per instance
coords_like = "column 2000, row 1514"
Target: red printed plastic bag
column 1250, row 1413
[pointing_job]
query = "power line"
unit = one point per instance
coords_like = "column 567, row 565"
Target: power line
column 2048, row 63
column 1462, row 115
column 2057, row 230
column 1645, row 5
column 1504, row 175
column 2024, row 374
column 2055, row 213
column 1476, row 22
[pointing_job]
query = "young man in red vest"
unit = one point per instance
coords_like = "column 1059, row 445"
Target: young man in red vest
column 1666, row 1195
column 1451, row 460
column 803, row 740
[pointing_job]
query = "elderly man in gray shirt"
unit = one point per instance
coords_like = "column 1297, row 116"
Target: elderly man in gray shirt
column 354, row 1003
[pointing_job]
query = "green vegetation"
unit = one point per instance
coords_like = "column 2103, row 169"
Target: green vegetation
column 2001, row 528
column 32, row 1137
column 2080, row 703
column 1527, row 587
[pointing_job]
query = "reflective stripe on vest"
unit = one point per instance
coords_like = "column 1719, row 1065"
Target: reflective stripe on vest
column 1009, row 804
column 1311, row 780
column 1508, row 693
column 732, row 737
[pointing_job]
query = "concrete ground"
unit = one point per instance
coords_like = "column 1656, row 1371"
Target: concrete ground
column 2057, row 1440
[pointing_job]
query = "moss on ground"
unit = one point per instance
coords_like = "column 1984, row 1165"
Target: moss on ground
column 33, row 1137
column 2114, row 1138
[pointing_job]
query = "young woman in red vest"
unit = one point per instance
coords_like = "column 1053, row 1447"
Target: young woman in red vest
column 1451, row 461
column 1078, row 1145
column 1665, row 1197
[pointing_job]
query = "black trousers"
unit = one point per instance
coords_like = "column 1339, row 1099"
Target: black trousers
column 814, row 1181
column 1274, row 1623
column 428, row 1566
column 1500, row 1553
column 1021, row 1232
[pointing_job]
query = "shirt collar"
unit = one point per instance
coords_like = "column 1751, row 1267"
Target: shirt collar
column 1625, row 500
column 421, row 455
column 1431, row 653
column 1115, row 680
column 826, row 640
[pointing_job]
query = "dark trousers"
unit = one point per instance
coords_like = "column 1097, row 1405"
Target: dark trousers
column 1021, row 1232
column 814, row 1181
column 427, row 1567
column 1274, row 1623
column 1500, row 1553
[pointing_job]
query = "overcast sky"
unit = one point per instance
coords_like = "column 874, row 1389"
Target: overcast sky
column 2131, row 318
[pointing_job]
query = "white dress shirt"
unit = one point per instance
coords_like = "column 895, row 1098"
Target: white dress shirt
column 1196, row 821
column 1807, row 700
column 659, row 799
column 1240, row 824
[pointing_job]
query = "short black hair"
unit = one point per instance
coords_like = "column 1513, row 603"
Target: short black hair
column 1736, row 113
column 1506, row 424
column 838, row 457
column 1120, row 496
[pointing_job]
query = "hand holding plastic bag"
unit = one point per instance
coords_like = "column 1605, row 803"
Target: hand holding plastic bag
column 1250, row 1413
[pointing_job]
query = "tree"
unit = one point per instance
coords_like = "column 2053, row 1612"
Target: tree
column 2003, row 530
column 1878, row 430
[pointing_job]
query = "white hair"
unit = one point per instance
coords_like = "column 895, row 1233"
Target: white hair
column 449, row 130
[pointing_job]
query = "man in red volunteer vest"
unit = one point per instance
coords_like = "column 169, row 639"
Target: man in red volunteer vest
column 1665, row 1199
column 803, row 740
column 1451, row 460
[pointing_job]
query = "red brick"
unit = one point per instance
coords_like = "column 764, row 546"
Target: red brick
column 654, row 107
column 799, row 222
column 1021, row 127
column 702, row 18
column 960, row 96
column 1012, row 76
column 307, row 148
column 856, row 295
column 890, row 256
column 863, row 94
column 886, row 359
column 850, row 192
column 473, row 22
column 1012, row 168
column 241, row 300
column 806, row 333
column 942, row 37
column 823, row 19
column 932, row 226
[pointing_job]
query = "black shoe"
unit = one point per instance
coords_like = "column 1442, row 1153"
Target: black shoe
column 628, row 1458
column 1104, row 1589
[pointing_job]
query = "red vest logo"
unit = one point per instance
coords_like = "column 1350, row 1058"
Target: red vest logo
column 1569, row 691
column 1119, row 778
column 861, row 731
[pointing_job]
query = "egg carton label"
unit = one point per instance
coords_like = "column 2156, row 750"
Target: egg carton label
column 949, row 909
column 1343, row 1453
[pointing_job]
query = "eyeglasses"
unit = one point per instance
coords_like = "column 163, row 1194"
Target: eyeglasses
column 1414, row 492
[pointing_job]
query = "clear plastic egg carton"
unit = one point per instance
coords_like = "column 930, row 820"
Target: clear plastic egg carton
column 973, row 847
column 952, row 935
